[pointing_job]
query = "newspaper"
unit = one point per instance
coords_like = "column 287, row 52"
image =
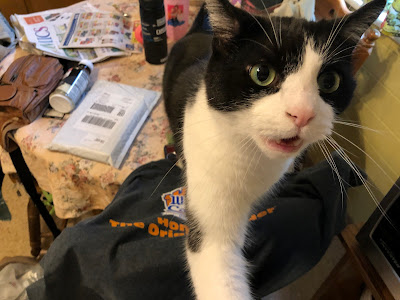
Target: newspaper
column 104, row 125
column 43, row 32
column 101, row 29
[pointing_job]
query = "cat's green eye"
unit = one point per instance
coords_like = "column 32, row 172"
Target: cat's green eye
column 329, row 82
column 262, row 74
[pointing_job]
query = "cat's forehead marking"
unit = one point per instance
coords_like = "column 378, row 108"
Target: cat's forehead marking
column 307, row 72
column 312, row 60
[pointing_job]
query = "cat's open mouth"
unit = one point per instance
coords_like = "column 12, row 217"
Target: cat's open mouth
column 288, row 145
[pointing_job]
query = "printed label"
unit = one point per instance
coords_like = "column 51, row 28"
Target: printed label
column 33, row 20
column 161, row 31
column 174, row 203
column 98, row 121
column 103, row 117
column 64, row 87
column 78, row 87
column 161, row 21
column 164, row 228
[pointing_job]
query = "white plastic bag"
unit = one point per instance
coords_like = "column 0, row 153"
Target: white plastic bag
column 106, row 122
column 15, row 278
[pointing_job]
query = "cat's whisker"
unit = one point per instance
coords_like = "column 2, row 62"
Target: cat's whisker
column 327, row 149
column 335, row 33
column 255, row 148
column 369, row 156
column 351, row 153
column 332, row 163
column 356, row 126
column 258, row 160
column 338, row 47
column 241, row 180
column 280, row 30
column 262, row 27
column 337, row 30
column 272, row 23
column 245, row 144
column 323, row 152
column 329, row 36
column 337, row 59
column 337, row 118
column 340, row 151
column 258, row 43
column 342, row 154
column 199, row 143
column 333, row 54
column 162, row 179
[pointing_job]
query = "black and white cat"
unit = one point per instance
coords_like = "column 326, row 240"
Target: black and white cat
column 243, row 103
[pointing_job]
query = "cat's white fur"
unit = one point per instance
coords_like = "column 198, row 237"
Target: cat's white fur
column 229, row 167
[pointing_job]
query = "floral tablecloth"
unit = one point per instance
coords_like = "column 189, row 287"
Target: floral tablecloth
column 79, row 185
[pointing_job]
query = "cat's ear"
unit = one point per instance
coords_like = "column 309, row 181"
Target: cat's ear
column 224, row 19
column 359, row 21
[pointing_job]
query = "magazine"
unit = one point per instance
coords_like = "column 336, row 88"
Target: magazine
column 101, row 29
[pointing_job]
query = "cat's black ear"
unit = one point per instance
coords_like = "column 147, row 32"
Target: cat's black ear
column 359, row 21
column 224, row 19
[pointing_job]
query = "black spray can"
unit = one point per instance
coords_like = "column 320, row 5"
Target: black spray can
column 154, row 31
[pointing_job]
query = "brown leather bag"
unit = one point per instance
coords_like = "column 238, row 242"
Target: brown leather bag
column 24, row 91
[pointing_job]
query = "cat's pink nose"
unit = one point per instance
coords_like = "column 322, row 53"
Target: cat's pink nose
column 301, row 116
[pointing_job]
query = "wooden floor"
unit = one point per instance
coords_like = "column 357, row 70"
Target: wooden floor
column 14, row 233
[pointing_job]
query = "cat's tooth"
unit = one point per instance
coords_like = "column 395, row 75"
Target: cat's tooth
column 297, row 142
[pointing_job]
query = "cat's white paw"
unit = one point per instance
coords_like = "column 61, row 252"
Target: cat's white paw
column 219, row 273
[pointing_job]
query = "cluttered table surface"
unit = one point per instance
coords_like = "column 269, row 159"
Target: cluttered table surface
column 79, row 185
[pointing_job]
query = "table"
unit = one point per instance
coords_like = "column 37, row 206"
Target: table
column 79, row 185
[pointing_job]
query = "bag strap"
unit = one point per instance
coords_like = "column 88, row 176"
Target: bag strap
column 28, row 181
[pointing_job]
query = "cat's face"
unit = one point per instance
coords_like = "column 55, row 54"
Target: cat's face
column 282, row 80
column 284, row 122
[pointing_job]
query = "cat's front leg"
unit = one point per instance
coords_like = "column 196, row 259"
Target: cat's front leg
column 214, row 249
column 218, row 271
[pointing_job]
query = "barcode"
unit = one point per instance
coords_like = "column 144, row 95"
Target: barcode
column 99, row 122
column 103, row 108
column 121, row 113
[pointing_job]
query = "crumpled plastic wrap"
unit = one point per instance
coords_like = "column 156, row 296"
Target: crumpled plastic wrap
column 7, row 37
column 296, row 8
column 15, row 278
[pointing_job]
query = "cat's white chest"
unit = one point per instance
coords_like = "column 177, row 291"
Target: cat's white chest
column 226, row 173
column 221, row 162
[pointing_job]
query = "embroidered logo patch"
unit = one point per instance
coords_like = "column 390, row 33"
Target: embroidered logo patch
column 174, row 203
